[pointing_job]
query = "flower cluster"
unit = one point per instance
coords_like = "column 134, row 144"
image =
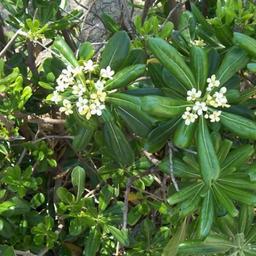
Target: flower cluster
column 199, row 42
column 201, row 106
column 87, row 97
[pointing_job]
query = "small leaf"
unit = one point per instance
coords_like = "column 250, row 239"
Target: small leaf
column 120, row 235
column 92, row 243
column 85, row 51
column 171, row 249
column 78, row 180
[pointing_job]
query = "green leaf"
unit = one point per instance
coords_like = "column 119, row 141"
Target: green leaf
column 201, row 19
column 171, row 249
column 6, row 206
column 252, row 67
column 118, row 144
column 224, row 150
column 210, row 246
column 83, row 137
column 7, row 250
column 65, row 196
column 240, row 195
column 239, row 125
column 85, row 51
column 237, row 157
column 106, row 194
column 172, row 60
column 109, row 23
column 184, row 194
column 139, row 122
column 199, row 57
column 234, row 60
column 184, row 134
column 65, row 52
column 92, row 243
column 208, row 160
column 126, row 76
column 245, row 42
column 158, row 137
column 224, row 200
column 206, row 216
column 120, row 235
column 136, row 56
column 116, row 51
column 164, row 107
column 78, row 180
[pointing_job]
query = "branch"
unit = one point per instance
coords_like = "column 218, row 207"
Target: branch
column 34, row 119
column 23, row 253
column 174, row 182
column 147, row 5
column 53, row 137
column 32, row 59
column 174, row 8
column 10, row 43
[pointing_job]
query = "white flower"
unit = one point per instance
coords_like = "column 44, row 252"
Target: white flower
column 189, row 117
column 215, row 116
column 99, row 85
column 78, row 89
column 56, row 97
column 67, row 107
column 223, row 90
column 82, row 106
column 89, row 66
column 68, row 71
column 193, row 94
column 199, row 107
column 107, row 73
column 96, row 108
column 220, row 99
column 199, row 42
column 64, row 81
column 62, row 87
column 212, row 82
column 77, row 70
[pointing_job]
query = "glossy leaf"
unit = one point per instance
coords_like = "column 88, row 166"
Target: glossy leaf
column 239, row 125
column 172, row 60
column 234, row 60
column 78, row 180
column 206, row 216
column 208, row 160
column 116, row 51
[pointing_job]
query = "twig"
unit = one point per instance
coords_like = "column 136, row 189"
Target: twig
column 32, row 59
column 155, row 197
column 22, row 155
column 10, row 43
column 151, row 158
column 174, row 182
column 126, row 17
column 172, row 11
column 86, row 8
column 117, row 248
column 126, row 202
column 38, row 119
column 53, row 137
column 147, row 5
column 43, row 252
column 23, row 253
column 7, row 123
